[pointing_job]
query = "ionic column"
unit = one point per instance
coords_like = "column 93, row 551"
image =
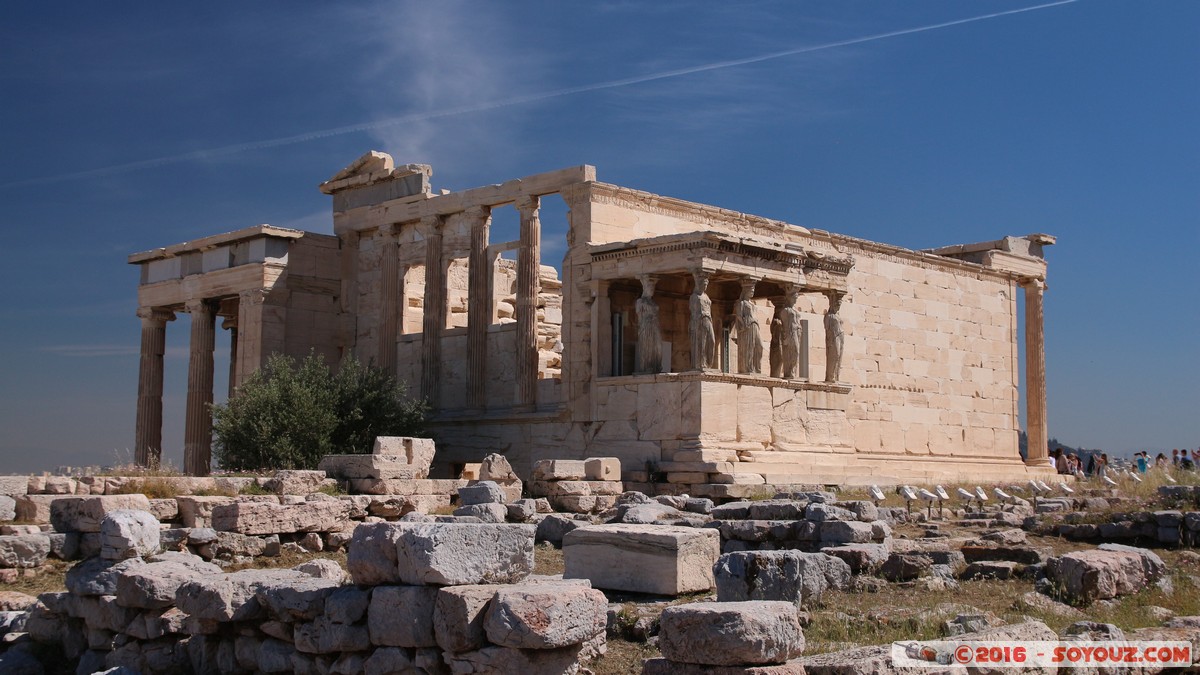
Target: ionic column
column 434, row 318
column 389, row 296
column 197, row 435
column 231, row 325
column 1035, row 374
column 147, row 441
column 479, row 305
column 529, row 262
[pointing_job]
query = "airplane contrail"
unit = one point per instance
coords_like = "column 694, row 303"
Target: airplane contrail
column 507, row 102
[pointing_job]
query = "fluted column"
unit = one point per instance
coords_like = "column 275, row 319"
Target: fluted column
column 230, row 324
column 1036, row 431
column 389, row 296
column 479, row 306
column 529, row 262
column 197, row 435
column 434, row 318
column 147, row 441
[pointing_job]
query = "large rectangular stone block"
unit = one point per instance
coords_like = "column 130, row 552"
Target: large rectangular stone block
column 449, row 554
column 559, row 469
column 371, row 466
column 731, row 633
column 643, row 558
column 83, row 514
column 196, row 511
column 267, row 518
column 602, row 468
column 14, row 485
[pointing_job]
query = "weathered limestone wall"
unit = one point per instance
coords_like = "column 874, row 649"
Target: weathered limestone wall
column 929, row 357
column 931, row 352
column 310, row 321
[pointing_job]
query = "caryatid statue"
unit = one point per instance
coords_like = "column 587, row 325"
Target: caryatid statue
column 649, row 344
column 835, row 338
column 792, row 338
column 749, row 340
column 775, row 354
column 700, row 325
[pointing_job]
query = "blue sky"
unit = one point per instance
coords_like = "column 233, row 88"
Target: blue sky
column 123, row 128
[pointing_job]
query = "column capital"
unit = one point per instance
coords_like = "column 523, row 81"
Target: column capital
column 387, row 230
column 198, row 305
column 432, row 223
column 254, row 296
column 478, row 212
column 1034, row 284
column 155, row 315
column 528, row 203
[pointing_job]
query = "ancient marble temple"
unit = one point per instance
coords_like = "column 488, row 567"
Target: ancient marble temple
column 711, row 351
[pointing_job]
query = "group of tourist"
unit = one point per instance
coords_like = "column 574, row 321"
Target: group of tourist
column 1180, row 459
column 1069, row 463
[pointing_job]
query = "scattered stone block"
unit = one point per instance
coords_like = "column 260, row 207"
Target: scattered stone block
column 862, row 558
column 458, row 616
column 13, row 486
column 196, row 511
column 258, row 518
column 376, row 467
column 495, row 467
column 323, row 636
column 664, row 560
column 791, row 576
column 127, row 534
column 402, row 616
column 485, row 513
column 602, row 468
column 1086, row 576
column 97, row 576
column 555, row 526
column 34, row 508
column 464, row 553
column 991, row 569
column 906, row 566
column 295, row 482
column 559, row 469
column 483, row 492
column 731, row 633
column 83, row 514
column 154, row 585
column 8, row 508
column 230, row 597
column 847, row 532
column 371, row 556
column 493, row 659
column 24, row 550
column 299, row 599
column 545, row 616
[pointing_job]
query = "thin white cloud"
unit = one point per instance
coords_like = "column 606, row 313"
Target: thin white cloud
column 91, row 351
column 447, row 39
column 106, row 351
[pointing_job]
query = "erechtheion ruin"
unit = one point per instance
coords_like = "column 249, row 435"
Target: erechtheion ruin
column 710, row 350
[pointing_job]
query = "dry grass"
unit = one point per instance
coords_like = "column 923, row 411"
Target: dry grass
column 154, row 487
column 49, row 580
column 623, row 657
column 547, row 559
column 288, row 559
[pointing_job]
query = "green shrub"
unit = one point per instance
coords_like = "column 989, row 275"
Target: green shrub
column 289, row 415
